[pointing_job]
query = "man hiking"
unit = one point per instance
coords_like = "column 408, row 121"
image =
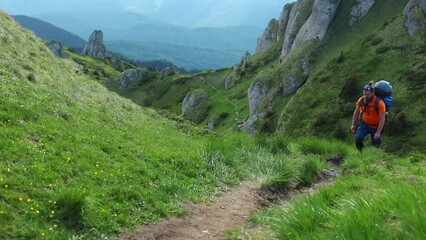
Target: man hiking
column 373, row 112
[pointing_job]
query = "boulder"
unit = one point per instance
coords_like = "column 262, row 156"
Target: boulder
column 359, row 10
column 211, row 125
column 169, row 71
column 246, row 56
column 195, row 106
column 230, row 81
column 294, row 83
column 316, row 26
column 57, row 48
column 96, row 47
column 256, row 92
column 131, row 77
column 268, row 37
column 414, row 22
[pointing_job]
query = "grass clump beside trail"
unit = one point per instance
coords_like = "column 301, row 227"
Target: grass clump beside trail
column 378, row 196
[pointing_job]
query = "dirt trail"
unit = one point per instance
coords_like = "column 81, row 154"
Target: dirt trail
column 230, row 210
column 208, row 220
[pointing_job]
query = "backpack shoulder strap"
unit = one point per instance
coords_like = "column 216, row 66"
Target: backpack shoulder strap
column 376, row 104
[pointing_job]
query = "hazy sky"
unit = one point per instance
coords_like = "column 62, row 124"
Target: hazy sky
column 189, row 13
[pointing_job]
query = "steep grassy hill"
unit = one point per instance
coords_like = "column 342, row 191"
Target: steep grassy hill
column 80, row 162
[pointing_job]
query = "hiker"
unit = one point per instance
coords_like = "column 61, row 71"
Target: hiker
column 373, row 112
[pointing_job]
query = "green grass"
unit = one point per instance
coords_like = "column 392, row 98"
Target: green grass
column 379, row 196
column 79, row 161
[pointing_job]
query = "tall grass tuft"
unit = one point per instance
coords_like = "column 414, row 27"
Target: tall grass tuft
column 71, row 204
column 323, row 147
column 310, row 167
column 284, row 178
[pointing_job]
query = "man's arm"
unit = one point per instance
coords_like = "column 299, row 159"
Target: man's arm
column 355, row 118
column 381, row 125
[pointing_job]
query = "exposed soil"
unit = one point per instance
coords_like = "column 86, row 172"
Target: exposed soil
column 208, row 220
column 230, row 210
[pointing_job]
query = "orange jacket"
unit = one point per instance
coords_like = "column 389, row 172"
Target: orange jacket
column 369, row 114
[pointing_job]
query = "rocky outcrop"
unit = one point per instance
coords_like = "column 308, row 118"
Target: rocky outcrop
column 268, row 37
column 316, row 26
column 283, row 21
column 256, row 93
column 415, row 18
column 216, row 120
column 294, row 83
column 131, row 77
column 359, row 10
column 230, row 81
column 246, row 56
column 96, row 47
column 298, row 16
column 195, row 106
column 169, row 71
column 57, row 48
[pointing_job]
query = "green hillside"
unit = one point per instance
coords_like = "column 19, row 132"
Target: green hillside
column 379, row 47
column 79, row 161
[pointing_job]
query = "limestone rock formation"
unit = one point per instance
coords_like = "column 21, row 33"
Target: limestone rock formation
column 283, row 21
column 195, row 106
column 268, row 37
column 256, row 93
column 246, row 56
column 294, row 83
column 211, row 124
column 169, row 71
column 57, row 48
column 316, row 26
column 131, row 77
column 415, row 18
column 230, row 81
column 96, row 47
column 298, row 16
column 359, row 10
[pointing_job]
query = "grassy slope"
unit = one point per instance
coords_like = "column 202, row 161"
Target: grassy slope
column 76, row 157
column 80, row 162
column 77, row 161
column 378, row 196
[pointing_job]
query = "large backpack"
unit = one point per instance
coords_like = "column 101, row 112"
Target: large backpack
column 383, row 91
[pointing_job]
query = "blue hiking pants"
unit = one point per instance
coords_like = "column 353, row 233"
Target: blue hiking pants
column 362, row 131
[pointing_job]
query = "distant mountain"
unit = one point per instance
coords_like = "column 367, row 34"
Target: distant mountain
column 191, row 49
column 48, row 31
column 240, row 38
column 186, row 57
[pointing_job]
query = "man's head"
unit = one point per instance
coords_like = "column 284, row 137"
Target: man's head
column 368, row 92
